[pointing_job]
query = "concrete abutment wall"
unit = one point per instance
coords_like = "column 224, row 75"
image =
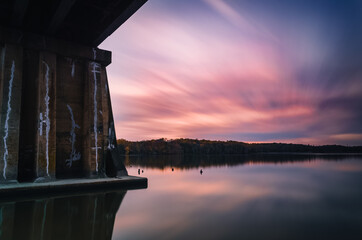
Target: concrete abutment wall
column 56, row 118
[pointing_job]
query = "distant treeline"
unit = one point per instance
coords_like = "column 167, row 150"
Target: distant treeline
column 194, row 146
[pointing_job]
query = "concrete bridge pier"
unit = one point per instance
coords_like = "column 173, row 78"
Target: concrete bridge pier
column 56, row 118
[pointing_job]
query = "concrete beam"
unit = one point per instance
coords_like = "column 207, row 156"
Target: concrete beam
column 60, row 14
column 19, row 12
column 126, row 13
column 10, row 106
column 60, row 47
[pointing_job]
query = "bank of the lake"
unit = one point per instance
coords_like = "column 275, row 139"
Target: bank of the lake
column 194, row 146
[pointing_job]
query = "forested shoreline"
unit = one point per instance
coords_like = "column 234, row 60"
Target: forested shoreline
column 194, row 146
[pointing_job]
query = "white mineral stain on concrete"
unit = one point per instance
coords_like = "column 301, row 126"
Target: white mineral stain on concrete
column 6, row 128
column 41, row 122
column 74, row 155
column 95, row 70
column 46, row 119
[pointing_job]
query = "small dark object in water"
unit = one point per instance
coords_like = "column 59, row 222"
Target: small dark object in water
column 172, row 169
column 138, row 171
column 201, row 171
column 142, row 171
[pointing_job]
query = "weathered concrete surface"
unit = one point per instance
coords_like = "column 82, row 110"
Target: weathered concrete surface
column 10, row 104
column 29, row 123
column 11, row 191
column 46, row 111
column 70, row 96
column 60, row 123
column 63, row 48
column 93, row 120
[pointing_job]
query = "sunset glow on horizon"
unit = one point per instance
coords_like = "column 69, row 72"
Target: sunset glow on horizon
column 252, row 71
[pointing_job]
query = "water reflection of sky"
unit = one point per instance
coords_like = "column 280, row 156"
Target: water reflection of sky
column 314, row 200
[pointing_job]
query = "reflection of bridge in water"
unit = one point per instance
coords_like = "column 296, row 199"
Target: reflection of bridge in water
column 88, row 216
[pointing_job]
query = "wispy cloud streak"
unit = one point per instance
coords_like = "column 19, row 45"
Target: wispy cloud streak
column 196, row 75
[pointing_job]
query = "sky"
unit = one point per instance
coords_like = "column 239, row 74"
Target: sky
column 246, row 70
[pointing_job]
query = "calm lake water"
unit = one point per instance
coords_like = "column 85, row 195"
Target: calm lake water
column 255, row 197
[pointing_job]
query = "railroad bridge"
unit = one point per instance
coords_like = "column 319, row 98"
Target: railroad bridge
column 55, row 111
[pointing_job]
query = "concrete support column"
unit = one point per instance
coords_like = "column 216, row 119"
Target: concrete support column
column 107, row 144
column 93, row 120
column 111, row 156
column 70, row 97
column 46, row 112
column 10, row 104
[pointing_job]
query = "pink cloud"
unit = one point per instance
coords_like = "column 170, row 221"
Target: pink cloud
column 174, row 77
